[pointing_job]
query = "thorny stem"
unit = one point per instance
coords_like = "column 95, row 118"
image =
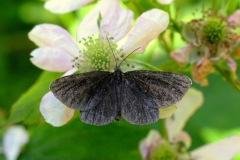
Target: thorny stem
column 225, row 74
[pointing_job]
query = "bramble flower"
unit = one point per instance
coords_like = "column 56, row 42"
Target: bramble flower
column 211, row 40
column 65, row 6
column 13, row 140
column 58, row 51
column 154, row 146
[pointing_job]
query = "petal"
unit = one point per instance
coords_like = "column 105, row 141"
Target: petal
column 232, row 67
column 164, row 1
column 147, row 27
column 146, row 145
column 181, row 55
column 13, row 139
column 45, row 35
column 201, row 70
column 54, row 111
column 232, row 64
column 116, row 22
column 89, row 24
column 221, row 150
column 192, row 100
column 183, row 138
column 167, row 112
column 70, row 72
column 52, row 59
column 188, row 34
column 64, row 6
column 235, row 18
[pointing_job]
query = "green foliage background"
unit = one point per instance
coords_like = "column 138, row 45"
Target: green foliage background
column 216, row 119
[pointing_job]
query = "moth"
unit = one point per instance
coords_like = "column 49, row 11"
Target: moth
column 103, row 96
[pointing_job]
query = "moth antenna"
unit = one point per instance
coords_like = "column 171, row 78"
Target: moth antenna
column 112, row 50
column 128, row 55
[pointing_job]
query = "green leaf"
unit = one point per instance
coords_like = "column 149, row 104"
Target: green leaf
column 79, row 141
column 26, row 109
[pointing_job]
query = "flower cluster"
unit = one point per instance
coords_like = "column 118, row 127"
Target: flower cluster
column 211, row 39
column 176, row 146
column 58, row 52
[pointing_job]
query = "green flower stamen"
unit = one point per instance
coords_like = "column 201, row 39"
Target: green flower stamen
column 163, row 151
column 213, row 31
column 97, row 55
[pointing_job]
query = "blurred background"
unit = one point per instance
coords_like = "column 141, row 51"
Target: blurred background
column 218, row 117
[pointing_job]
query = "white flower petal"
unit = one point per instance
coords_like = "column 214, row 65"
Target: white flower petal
column 192, row 100
column 13, row 139
column 164, row 1
column 147, row 27
column 117, row 22
column 88, row 25
column 64, row 6
column 70, row 72
column 51, row 59
column 54, row 111
column 45, row 35
column 221, row 150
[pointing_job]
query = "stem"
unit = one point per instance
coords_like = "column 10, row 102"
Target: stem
column 230, row 80
column 165, row 43
column 164, row 129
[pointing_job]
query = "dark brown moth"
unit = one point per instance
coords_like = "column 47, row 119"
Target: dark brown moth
column 103, row 96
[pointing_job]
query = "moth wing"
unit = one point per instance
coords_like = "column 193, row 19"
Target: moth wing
column 165, row 88
column 105, row 111
column 136, row 106
column 82, row 91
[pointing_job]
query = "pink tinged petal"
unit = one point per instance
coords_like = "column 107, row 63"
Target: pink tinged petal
column 192, row 100
column 49, row 35
column 88, row 25
column 181, row 55
column 64, row 6
column 54, row 111
column 183, row 137
column 232, row 64
column 13, row 140
column 51, row 59
column 147, row 27
column 117, row 22
column 146, row 145
column 221, row 150
column 235, row 18
column 164, row 1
